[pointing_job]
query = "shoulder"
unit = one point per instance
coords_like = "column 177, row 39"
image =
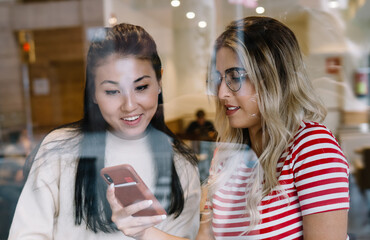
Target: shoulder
column 183, row 165
column 62, row 139
column 209, row 123
column 190, row 180
column 61, row 134
column 164, row 144
column 319, row 169
column 58, row 149
column 192, row 124
column 312, row 133
column 312, row 128
column 188, row 174
column 314, row 144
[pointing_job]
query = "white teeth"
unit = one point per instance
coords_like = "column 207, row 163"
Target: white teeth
column 131, row 118
column 232, row 108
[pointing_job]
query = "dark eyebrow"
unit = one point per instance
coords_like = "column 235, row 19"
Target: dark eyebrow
column 116, row 83
column 109, row 81
column 235, row 68
column 141, row 78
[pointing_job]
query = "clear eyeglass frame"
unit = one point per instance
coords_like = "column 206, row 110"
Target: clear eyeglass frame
column 234, row 78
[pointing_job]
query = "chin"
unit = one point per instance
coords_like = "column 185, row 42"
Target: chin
column 130, row 133
column 238, row 125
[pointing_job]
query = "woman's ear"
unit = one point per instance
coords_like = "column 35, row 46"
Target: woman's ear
column 160, row 86
column 160, row 83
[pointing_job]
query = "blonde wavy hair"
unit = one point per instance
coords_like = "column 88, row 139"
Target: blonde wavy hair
column 270, row 53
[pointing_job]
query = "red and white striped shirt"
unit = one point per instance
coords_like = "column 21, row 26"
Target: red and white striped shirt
column 314, row 176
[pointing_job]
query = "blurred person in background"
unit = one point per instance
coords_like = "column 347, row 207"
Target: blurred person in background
column 11, row 176
column 201, row 128
column 202, row 134
column 15, row 153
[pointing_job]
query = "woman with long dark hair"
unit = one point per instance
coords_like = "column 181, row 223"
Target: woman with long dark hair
column 65, row 197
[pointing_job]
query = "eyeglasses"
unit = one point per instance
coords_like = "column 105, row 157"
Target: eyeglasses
column 233, row 78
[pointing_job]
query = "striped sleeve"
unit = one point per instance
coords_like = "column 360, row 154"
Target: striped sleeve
column 320, row 171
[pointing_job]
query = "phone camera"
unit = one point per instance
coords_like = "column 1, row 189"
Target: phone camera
column 109, row 179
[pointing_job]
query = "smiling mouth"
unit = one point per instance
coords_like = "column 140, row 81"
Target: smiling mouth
column 232, row 108
column 133, row 118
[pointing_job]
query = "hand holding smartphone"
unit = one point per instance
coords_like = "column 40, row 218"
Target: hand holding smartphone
column 130, row 189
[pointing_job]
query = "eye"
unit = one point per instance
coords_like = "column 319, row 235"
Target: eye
column 111, row 92
column 141, row 88
column 237, row 75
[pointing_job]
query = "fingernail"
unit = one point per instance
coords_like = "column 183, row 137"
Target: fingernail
column 111, row 186
column 149, row 202
column 163, row 216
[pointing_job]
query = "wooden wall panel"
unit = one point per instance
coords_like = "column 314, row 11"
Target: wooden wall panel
column 60, row 61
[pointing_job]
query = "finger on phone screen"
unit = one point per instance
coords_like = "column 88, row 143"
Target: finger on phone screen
column 130, row 210
column 136, row 207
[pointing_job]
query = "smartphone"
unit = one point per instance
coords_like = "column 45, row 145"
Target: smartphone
column 130, row 189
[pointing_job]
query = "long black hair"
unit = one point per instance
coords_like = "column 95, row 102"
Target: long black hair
column 91, row 205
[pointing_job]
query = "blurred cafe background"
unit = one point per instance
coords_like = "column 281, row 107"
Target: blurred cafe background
column 43, row 45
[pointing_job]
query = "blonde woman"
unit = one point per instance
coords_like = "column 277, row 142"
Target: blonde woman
column 294, row 184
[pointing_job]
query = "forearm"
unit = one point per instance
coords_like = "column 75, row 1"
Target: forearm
column 205, row 228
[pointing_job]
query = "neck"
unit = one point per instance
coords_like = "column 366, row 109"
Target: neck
column 127, row 137
column 255, row 136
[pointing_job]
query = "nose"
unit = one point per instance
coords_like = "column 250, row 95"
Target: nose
column 129, row 102
column 223, row 90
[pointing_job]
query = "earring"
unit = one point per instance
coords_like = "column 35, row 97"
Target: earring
column 159, row 91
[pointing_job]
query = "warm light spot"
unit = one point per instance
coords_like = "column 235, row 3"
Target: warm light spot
column 175, row 3
column 190, row 15
column 26, row 47
column 333, row 4
column 112, row 20
column 202, row 24
column 260, row 10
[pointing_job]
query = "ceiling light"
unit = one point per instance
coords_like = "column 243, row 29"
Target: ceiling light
column 175, row 3
column 333, row 4
column 260, row 10
column 190, row 15
column 112, row 20
column 202, row 24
